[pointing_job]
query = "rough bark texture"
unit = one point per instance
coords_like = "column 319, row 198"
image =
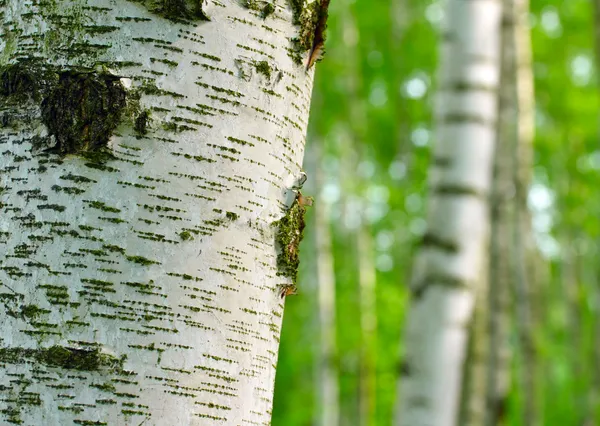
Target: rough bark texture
column 450, row 263
column 148, row 151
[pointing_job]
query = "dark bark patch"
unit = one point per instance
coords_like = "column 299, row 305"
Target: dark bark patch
column 141, row 123
column 24, row 80
column 64, row 357
column 180, row 11
column 17, row 80
column 83, row 110
column 404, row 368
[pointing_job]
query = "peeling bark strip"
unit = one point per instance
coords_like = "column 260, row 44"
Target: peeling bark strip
column 145, row 160
column 449, row 267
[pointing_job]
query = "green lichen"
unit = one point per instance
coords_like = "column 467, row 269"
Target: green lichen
column 290, row 231
column 231, row 215
column 177, row 10
column 185, row 235
column 264, row 68
column 32, row 311
column 140, row 260
column 64, row 357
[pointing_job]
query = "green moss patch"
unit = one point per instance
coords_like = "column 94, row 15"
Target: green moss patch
column 306, row 17
column 290, row 231
column 264, row 68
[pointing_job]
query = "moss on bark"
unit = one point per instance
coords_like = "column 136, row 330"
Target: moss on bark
column 63, row 357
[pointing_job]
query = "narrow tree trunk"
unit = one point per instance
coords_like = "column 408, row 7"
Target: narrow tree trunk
column 328, row 374
column 148, row 149
column 450, row 263
column 524, row 248
column 503, row 204
column 473, row 398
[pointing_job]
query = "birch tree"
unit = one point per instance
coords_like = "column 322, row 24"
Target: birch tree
column 449, row 266
column 148, row 223
column 524, row 252
column 501, row 211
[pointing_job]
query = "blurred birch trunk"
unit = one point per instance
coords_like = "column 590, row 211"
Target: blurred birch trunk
column 450, row 265
column 502, row 210
column 524, row 252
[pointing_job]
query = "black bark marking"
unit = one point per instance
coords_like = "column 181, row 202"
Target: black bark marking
column 83, row 110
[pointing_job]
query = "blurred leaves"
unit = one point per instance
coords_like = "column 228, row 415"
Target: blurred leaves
column 372, row 116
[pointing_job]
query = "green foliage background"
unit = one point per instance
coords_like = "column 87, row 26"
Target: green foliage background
column 372, row 118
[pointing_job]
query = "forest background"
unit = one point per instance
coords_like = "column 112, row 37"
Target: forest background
column 368, row 151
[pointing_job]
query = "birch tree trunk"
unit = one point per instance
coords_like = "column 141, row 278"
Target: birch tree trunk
column 502, row 208
column 449, row 265
column 524, row 247
column 148, row 150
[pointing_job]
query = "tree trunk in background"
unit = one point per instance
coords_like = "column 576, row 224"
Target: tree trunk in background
column 144, row 172
column 328, row 374
column 352, row 154
column 449, row 265
column 368, row 324
column 524, row 247
column 502, row 200
column 473, row 395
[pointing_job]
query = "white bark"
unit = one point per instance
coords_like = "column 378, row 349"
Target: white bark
column 159, row 270
column 449, row 265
